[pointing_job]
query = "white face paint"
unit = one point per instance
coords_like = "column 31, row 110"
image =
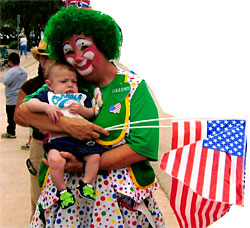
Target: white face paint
column 85, row 67
column 79, row 54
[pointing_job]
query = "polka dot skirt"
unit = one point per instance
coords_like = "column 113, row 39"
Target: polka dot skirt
column 116, row 199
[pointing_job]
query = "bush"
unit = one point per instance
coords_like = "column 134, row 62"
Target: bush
column 31, row 45
column 13, row 45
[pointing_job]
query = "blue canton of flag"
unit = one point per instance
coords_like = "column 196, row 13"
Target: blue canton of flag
column 226, row 136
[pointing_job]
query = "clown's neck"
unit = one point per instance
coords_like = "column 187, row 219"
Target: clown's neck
column 106, row 76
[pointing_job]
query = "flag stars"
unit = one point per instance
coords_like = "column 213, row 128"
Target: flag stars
column 225, row 136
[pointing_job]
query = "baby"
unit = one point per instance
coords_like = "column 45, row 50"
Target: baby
column 62, row 98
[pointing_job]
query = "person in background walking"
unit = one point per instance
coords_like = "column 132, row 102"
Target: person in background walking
column 23, row 45
column 13, row 80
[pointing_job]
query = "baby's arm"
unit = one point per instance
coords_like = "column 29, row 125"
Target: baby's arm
column 77, row 108
column 35, row 105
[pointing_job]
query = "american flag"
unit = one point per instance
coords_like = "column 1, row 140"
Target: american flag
column 115, row 108
column 206, row 163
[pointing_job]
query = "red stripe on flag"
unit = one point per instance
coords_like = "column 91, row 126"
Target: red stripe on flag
column 184, row 203
column 227, row 174
column 193, row 210
column 200, row 211
column 190, row 163
column 216, row 211
column 177, row 162
column 207, row 213
column 198, row 130
column 201, row 174
column 172, row 198
column 225, row 209
column 164, row 161
column 214, row 173
column 239, row 177
column 174, row 135
column 186, row 133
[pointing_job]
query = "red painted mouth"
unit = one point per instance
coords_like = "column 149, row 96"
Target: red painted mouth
column 86, row 66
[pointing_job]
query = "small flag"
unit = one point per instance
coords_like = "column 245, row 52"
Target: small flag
column 207, row 165
column 115, row 108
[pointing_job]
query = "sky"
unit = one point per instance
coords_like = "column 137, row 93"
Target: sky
column 195, row 55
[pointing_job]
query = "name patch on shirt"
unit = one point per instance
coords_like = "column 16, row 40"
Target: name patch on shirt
column 120, row 90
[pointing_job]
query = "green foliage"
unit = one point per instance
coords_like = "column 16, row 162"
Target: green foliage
column 32, row 44
column 13, row 45
column 33, row 16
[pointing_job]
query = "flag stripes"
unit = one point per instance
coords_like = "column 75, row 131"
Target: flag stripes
column 210, row 173
column 203, row 180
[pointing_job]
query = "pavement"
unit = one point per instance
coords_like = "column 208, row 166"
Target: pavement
column 14, row 176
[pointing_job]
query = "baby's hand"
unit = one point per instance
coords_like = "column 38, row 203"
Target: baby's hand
column 53, row 113
column 75, row 108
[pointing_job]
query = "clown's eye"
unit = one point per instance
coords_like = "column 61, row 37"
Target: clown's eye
column 67, row 49
column 82, row 44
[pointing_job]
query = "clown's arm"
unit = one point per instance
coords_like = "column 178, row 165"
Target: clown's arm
column 116, row 158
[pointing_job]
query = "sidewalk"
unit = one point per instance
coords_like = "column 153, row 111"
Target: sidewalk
column 14, row 176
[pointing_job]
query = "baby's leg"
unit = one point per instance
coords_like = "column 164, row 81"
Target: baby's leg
column 91, row 168
column 56, row 164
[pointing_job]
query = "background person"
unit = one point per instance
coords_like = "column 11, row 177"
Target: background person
column 13, row 80
column 26, row 146
column 23, row 45
column 126, row 181
column 38, row 137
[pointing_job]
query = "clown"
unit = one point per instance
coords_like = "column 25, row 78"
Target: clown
column 89, row 40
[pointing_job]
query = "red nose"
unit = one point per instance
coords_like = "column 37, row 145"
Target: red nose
column 78, row 56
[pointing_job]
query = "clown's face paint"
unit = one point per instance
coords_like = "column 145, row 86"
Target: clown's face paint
column 79, row 51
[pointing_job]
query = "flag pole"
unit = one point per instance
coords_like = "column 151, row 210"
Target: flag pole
column 125, row 125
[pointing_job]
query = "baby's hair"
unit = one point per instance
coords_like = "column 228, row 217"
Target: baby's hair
column 51, row 64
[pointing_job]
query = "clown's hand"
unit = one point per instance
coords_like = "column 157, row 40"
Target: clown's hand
column 73, row 165
column 81, row 128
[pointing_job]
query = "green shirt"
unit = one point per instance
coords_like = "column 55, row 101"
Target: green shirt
column 144, row 141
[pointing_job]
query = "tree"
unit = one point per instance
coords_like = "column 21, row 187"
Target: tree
column 33, row 14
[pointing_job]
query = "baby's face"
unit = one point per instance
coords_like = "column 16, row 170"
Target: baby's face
column 63, row 80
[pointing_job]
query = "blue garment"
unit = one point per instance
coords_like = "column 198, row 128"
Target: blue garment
column 79, row 148
column 23, row 48
column 13, row 80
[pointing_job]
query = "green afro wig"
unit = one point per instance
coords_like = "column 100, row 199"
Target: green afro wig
column 104, row 31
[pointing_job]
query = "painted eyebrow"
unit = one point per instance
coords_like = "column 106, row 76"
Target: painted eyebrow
column 88, row 41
